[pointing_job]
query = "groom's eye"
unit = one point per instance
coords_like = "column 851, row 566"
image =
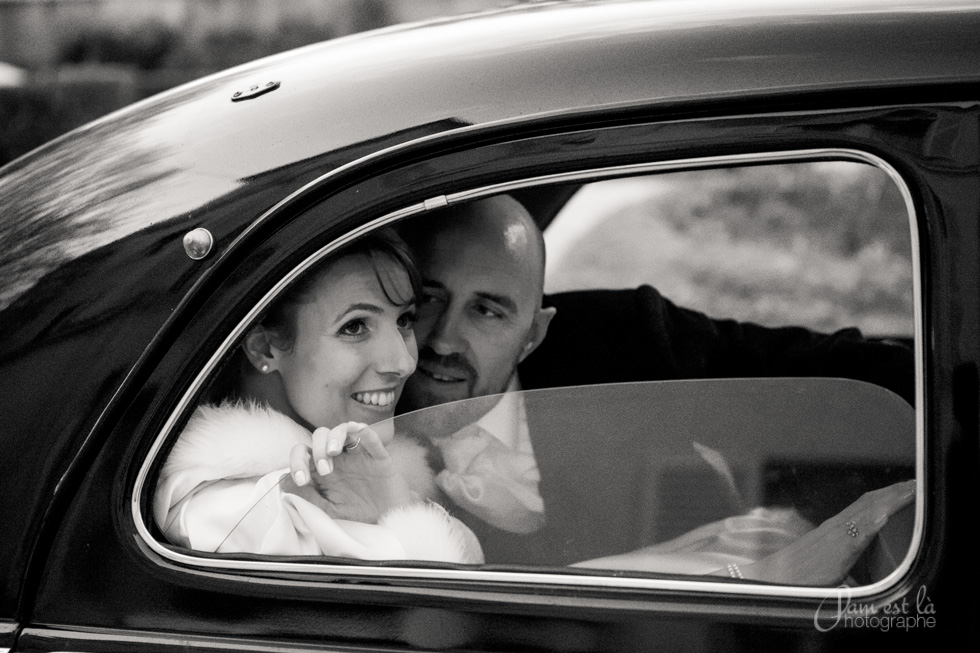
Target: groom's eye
column 430, row 304
column 486, row 311
column 430, row 297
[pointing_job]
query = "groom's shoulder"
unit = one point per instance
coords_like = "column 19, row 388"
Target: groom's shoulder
column 596, row 336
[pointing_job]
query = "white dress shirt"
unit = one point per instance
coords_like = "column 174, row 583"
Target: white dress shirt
column 490, row 468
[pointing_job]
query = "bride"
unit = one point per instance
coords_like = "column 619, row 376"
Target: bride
column 328, row 358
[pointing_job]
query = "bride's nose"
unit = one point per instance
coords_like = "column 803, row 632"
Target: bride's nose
column 398, row 354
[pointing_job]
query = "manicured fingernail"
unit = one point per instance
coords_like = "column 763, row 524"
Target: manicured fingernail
column 323, row 467
column 333, row 448
column 300, row 478
column 355, row 427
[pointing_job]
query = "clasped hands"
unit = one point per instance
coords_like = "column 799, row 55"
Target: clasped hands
column 351, row 472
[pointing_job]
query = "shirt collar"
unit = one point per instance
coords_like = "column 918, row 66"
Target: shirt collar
column 507, row 421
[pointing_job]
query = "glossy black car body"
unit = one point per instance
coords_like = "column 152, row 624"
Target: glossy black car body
column 105, row 320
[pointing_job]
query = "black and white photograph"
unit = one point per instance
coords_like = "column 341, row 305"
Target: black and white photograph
column 489, row 325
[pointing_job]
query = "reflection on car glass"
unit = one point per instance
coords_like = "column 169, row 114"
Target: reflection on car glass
column 776, row 480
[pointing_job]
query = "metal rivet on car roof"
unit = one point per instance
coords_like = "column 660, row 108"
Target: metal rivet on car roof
column 254, row 90
column 198, row 243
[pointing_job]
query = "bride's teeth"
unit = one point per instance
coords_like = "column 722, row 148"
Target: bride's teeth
column 375, row 398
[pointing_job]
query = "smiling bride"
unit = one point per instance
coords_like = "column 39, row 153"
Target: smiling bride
column 329, row 357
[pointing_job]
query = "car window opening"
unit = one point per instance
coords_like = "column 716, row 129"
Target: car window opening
column 445, row 392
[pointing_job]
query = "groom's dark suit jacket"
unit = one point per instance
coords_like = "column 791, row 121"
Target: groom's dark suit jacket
column 591, row 479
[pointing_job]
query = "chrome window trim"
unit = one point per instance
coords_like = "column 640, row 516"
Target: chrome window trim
column 545, row 578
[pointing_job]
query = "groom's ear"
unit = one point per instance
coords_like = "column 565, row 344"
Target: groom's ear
column 539, row 329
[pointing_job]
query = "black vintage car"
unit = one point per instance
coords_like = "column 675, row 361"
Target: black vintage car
column 789, row 164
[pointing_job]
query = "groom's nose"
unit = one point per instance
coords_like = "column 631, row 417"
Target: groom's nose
column 446, row 336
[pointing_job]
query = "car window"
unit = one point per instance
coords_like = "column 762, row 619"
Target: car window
column 677, row 477
column 688, row 398
column 819, row 244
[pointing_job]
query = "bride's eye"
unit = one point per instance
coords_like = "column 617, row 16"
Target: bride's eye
column 353, row 328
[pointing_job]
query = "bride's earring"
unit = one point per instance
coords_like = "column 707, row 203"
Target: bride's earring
column 265, row 368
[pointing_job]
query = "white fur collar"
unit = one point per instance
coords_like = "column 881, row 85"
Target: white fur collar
column 246, row 439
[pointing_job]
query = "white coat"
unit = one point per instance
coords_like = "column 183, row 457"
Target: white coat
column 220, row 491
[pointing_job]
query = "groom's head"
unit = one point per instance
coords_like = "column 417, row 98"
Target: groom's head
column 482, row 266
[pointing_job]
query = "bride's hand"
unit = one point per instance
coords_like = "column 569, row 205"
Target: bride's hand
column 825, row 555
column 351, row 472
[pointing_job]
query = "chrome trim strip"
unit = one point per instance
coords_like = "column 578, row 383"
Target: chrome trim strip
column 120, row 639
column 535, row 578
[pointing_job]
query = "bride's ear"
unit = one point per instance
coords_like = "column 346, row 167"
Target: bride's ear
column 260, row 349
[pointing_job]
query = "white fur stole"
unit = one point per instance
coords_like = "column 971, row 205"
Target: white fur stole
column 248, row 440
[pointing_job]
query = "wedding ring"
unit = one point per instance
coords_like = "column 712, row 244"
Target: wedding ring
column 351, row 447
column 852, row 529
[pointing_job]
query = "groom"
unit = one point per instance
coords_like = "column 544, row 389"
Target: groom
column 481, row 330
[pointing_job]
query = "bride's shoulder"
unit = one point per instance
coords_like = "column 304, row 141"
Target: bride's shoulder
column 238, row 433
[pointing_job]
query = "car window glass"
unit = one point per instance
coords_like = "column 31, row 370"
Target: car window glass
column 678, row 477
column 673, row 477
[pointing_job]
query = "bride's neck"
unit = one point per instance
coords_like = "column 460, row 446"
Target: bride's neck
column 269, row 389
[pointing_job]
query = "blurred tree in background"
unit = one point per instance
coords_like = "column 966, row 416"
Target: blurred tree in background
column 825, row 244
column 146, row 48
column 28, row 118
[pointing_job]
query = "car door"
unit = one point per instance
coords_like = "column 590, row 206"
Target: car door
column 108, row 581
